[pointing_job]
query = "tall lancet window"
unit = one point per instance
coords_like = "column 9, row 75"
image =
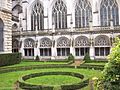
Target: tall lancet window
column 83, row 13
column 37, row 16
column 109, row 11
column 59, row 14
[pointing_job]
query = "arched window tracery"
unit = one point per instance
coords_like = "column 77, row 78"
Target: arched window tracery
column 63, row 42
column 45, row 47
column 83, row 13
column 82, row 41
column 63, row 46
column 102, row 45
column 109, row 11
column 102, row 41
column 82, row 46
column 29, row 47
column 45, row 42
column 29, row 43
column 59, row 14
column 37, row 16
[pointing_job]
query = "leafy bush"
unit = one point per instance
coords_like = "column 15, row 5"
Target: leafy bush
column 87, row 58
column 37, row 58
column 71, row 58
column 111, row 72
column 10, row 59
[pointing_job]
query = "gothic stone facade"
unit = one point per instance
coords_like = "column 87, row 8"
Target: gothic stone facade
column 5, row 26
column 52, row 29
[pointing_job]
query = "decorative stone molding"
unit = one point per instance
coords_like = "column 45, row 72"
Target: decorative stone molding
column 82, row 41
column 63, row 42
column 45, row 42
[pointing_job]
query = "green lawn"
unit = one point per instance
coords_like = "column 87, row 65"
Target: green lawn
column 7, row 80
column 54, row 80
column 98, row 63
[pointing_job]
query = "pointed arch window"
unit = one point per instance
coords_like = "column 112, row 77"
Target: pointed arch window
column 59, row 14
column 109, row 11
column 83, row 13
column 37, row 16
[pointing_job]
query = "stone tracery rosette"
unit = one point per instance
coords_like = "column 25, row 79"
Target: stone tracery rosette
column 82, row 41
column 29, row 43
column 63, row 42
column 102, row 40
column 45, row 42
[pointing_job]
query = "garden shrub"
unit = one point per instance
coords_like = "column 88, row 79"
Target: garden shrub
column 37, row 58
column 87, row 58
column 111, row 77
column 10, row 59
column 71, row 58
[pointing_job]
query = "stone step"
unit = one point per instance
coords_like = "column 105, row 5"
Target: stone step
column 77, row 63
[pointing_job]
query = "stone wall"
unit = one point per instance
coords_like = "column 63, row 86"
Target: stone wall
column 5, row 16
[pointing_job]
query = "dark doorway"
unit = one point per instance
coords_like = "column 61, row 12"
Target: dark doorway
column 1, row 35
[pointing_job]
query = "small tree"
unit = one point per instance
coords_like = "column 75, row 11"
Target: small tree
column 111, row 72
column 71, row 57
column 87, row 58
column 37, row 58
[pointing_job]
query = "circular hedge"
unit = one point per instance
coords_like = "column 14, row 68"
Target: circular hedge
column 27, row 86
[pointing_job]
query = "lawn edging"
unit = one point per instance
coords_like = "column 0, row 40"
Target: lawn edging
column 26, row 85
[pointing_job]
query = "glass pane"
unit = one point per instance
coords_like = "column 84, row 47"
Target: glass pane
column 58, row 52
column 96, row 51
column 107, row 10
column 86, row 50
column 102, row 51
column 49, row 51
column 77, row 52
column 83, row 13
column 25, row 51
column 37, row 16
column 59, row 14
column 107, row 51
column 82, row 51
column 30, row 53
column 63, row 51
column 41, row 52
column 46, row 52
column 68, row 51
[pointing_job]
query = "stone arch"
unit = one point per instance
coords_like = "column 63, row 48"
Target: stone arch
column 63, row 42
column 45, row 42
column 1, row 34
column 82, row 41
column 102, row 40
column 54, row 1
column 29, row 43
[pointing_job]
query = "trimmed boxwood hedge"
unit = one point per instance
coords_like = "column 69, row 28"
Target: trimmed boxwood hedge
column 10, row 59
column 27, row 86
column 23, row 68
